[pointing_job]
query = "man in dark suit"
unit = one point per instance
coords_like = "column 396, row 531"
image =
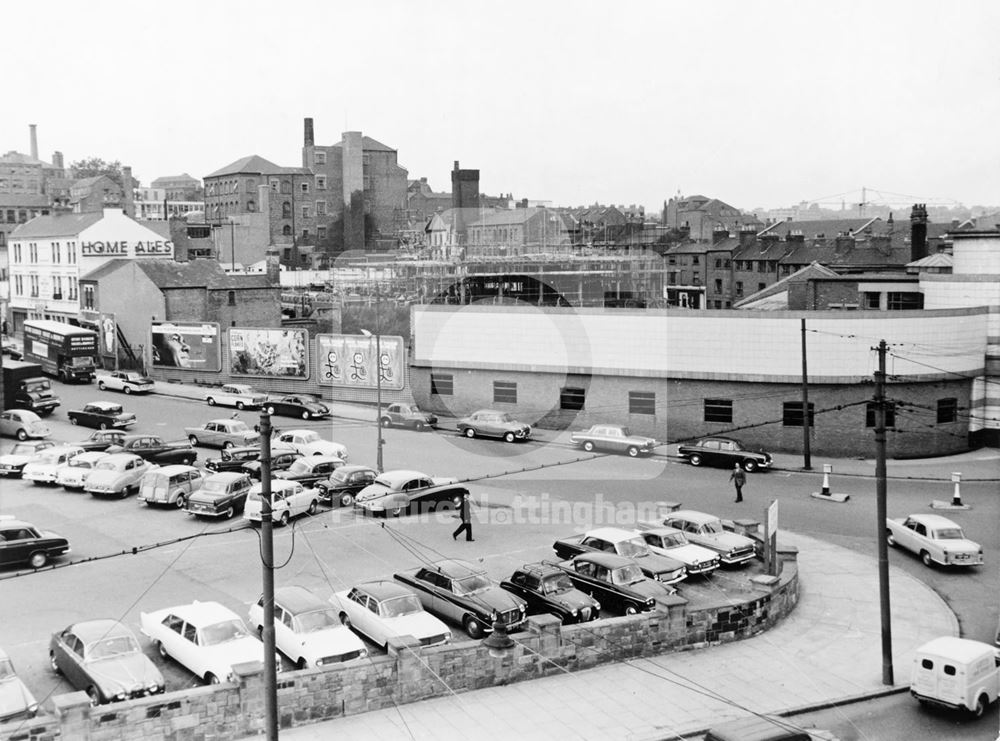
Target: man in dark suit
column 466, row 516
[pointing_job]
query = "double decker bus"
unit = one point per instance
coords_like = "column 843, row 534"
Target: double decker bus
column 62, row 350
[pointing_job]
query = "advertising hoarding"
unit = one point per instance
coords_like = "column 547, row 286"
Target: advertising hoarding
column 268, row 352
column 107, row 335
column 349, row 360
column 194, row 346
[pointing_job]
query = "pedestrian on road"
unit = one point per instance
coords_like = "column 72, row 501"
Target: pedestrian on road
column 466, row 516
column 739, row 479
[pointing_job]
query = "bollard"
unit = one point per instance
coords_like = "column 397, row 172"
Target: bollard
column 825, row 495
column 956, row 498
column 827, row 470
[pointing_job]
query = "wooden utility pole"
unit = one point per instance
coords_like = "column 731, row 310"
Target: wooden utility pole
column 267, row 564
column 806, row 454
column 880, row 516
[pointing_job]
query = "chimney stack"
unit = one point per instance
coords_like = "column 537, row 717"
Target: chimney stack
column 309, row 138
column 128, row 197
column 34, row 140
column 719, row 233
column 918, row 232
column 273, row 266
column 57, row 160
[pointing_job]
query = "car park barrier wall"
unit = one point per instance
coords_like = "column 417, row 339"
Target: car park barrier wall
column 409, row 672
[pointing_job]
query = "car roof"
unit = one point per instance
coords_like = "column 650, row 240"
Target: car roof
column 487, row 411
column 115, row 457
column 401, row 475
column 24, row 414
column 91, row 455
column 691, row 515
column 60, row 449
column 383, row 590
column 10, row 523
column 222, row 420
column 608, row 560
column 959, row 649
column 661, row 530
column 934, row 521
column 314, row 459
column 355, row 467
column 456, row 568
column 201, row 613
column 100, row 404
column 297, row 599
column 276, row 484
column 89, row 631
column 225, row 476
column 612, row 534
column 173, row 468
column 719, row 437
column 540, row 568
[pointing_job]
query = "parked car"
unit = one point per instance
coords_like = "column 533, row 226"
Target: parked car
column 547, row 589
column 706, row 530
column 10, row 350
column 407, row 415
column 396, row 492
column 221, row 495
column 308, row 442
column 725, row 452
column 463, row 592
column 204, row 637
column 156, row 450
column 614, row 438
column 297, row 405
column 956, row 673
column 102, row 439
column 616, row 581
column 126, row 381
column 288, row 499
column 12, row 462
column 22, row 424
column 236, row 395
column 308, row 630
column 344, row 483
column 624, row 543
column 492, row 423
column 42, row 469
column 307, row 470
column 222, row 433
column 233, row 459
column 16, row 700
column 381, row 610
column 936, row 539
column 22, row 542
column 117, row 475
column 74, row 474
column 170, row 485
column 103, row 659
column 280, row 460
column 102, row 415
column 669, row 541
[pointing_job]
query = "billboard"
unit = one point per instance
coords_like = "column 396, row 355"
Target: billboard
column 268, row 352
column 107, row 334
column 194, row 346
column 349, row 360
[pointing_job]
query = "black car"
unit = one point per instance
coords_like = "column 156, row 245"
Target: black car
column 547, row 589
column 308, row 469
column 233, row 459
column 726, row 452
column 100, row 440
column 103, row 415
column 407, row 415
column 617, row 582
column 302, row 406
column 8, row 349
column 21, row 542
column 279, row 462
column 344, row 483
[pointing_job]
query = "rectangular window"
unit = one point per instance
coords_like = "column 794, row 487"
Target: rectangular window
column 718, row 410
column 572, row 399
column 442, row 384
column 947, row 410
column 321, row 182
column 792, row 414
column 718, row 285
column 718, row 262
column 890, row 414
column 905, row 301
column 305, row 211
column 321, row 208
column 872, row 300
column 641, row 402
column 88, row 297
column 504, row 392
column 321, row 233
column 696, row 260
column 319, row 157
column 305, row 187
column 739, row 288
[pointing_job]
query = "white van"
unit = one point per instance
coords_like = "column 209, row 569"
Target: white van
column 956, row 673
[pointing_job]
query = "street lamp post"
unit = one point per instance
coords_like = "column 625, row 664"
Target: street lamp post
column 378, row 379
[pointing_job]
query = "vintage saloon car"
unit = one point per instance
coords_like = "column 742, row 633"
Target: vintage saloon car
column 117, row 475
column 22, row 542
column 669, row 541
column 547, row 589
column 12, row 462
column 280, row 460
column 936, row 539
column 726, row 452
column 706, row 530
column 407, row 415
column 205, row 637
column 297, row 405
column 102, row 439
column 308, row 442
column 16, row 700
column 102, row 415
column 103, row 658
column 617, row 582
column 615, row 438
column 221, row 495
column 307, row 470
column 288, row 499
column 344, row 484
column 42, row 469
column 233, row 459
column 170, row 485
column 236, row 395
column 74, row 474
column 222, row 433
column 126, row 381
column 463, row 593
column 624, row 543
column 493, row 423
column 381, row 610
column 22, row 424
column 396, row 492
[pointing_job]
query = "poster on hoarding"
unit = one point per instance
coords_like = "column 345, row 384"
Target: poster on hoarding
column 350, row 360
column 107, row 334
column 268, row 352
column 194, row 346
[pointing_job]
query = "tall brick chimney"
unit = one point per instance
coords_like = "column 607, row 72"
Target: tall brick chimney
column 34, row 140
column 128, row 197
column 57, row 160
column 918, row 231
column 309, row 138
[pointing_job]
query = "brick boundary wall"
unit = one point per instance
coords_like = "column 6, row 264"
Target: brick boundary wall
column 409, row 673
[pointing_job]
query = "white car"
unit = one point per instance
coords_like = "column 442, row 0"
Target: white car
column 42, row 470
column 118, row 474
column 12, row 462
column 669, row 541
column 127, row 381
column 22, row 424
column 381, row 610
column 307, row 629
column 236, row 395
column 706, row 530
column 308, row 442
column 74, row 474
column 288, row 499
column 936, row 539
column 205, row 637
column 16, row 700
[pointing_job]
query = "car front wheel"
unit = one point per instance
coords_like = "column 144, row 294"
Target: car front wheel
column 228, row 514
column 211, row 401
column 889, row 538
column 305, row 414
column 180, row 501
column 633, row 452
column 345, row 620
column 469, row 432
column 509, row 437
column 22, row 435
column 473, row 628
column 73, row 420
column 104, row 425
column 386, row 422
column 631, row 609
column 100, row 385
column 38, row 559
column 695, row 460
column 127, row 390
column 94, row 695
column 589, row 446
column 926, row 558
column 346, row 499
column 227, row 445
column 749, row 466
column 240, row 405
column 283, row 520
column 162, row 650
column 193, row 439
column 53, row 663
column 211, row 679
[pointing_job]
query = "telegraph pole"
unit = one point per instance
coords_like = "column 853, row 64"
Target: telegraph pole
column 378, row 377
column 880, row 516
column 806, row 454
column 267, row 563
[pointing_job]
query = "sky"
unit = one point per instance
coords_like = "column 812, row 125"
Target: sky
column 760, row 104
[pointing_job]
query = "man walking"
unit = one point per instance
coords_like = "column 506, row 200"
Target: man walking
column 739, row 479
column 466, row 516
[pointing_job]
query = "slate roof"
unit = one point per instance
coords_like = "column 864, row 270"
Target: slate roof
column 937, row 260
column 257, row 165
column 775, row 296
column 370, row 145
column 513, row 216
column 167, row 274
column 829, row 228
column 56, row 225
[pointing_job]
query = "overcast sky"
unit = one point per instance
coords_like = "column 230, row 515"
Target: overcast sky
column 761, row 104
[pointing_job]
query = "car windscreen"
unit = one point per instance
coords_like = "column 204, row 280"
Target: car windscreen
column 399, row 606
column 471, row 584
column 712, row 527
column 632, row 548
column 79, row 462
column 627, row 575
column 114, row 646
column 310, row 437
column 228, row 630
column 669, row 541
column 317, row 620
column 556, row 584
column 6, row 669
column 299, row 466
column 37, row 386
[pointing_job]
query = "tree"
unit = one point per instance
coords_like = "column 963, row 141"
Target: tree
column 94, row 166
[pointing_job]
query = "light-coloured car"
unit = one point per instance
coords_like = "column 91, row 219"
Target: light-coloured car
column 170, row 485
column 407, row 415
column 12, row 462
column 127, row 382
column 205, row 637
column 236, row 395
column 16, row 700
column 307, row 630
column 310, row 469
column 956, row 673
column 669, row 541
column 44, row 468
column 615, row 438
column 22, row 424
column 222, row 433
column 395, row 492
column 936, row 539
column 288, row 499
column 308, row 442
column 494, row 423
column 706, row 530
column 625, row 543
column 381, row 610
column 117, row 475
column 74, row 474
